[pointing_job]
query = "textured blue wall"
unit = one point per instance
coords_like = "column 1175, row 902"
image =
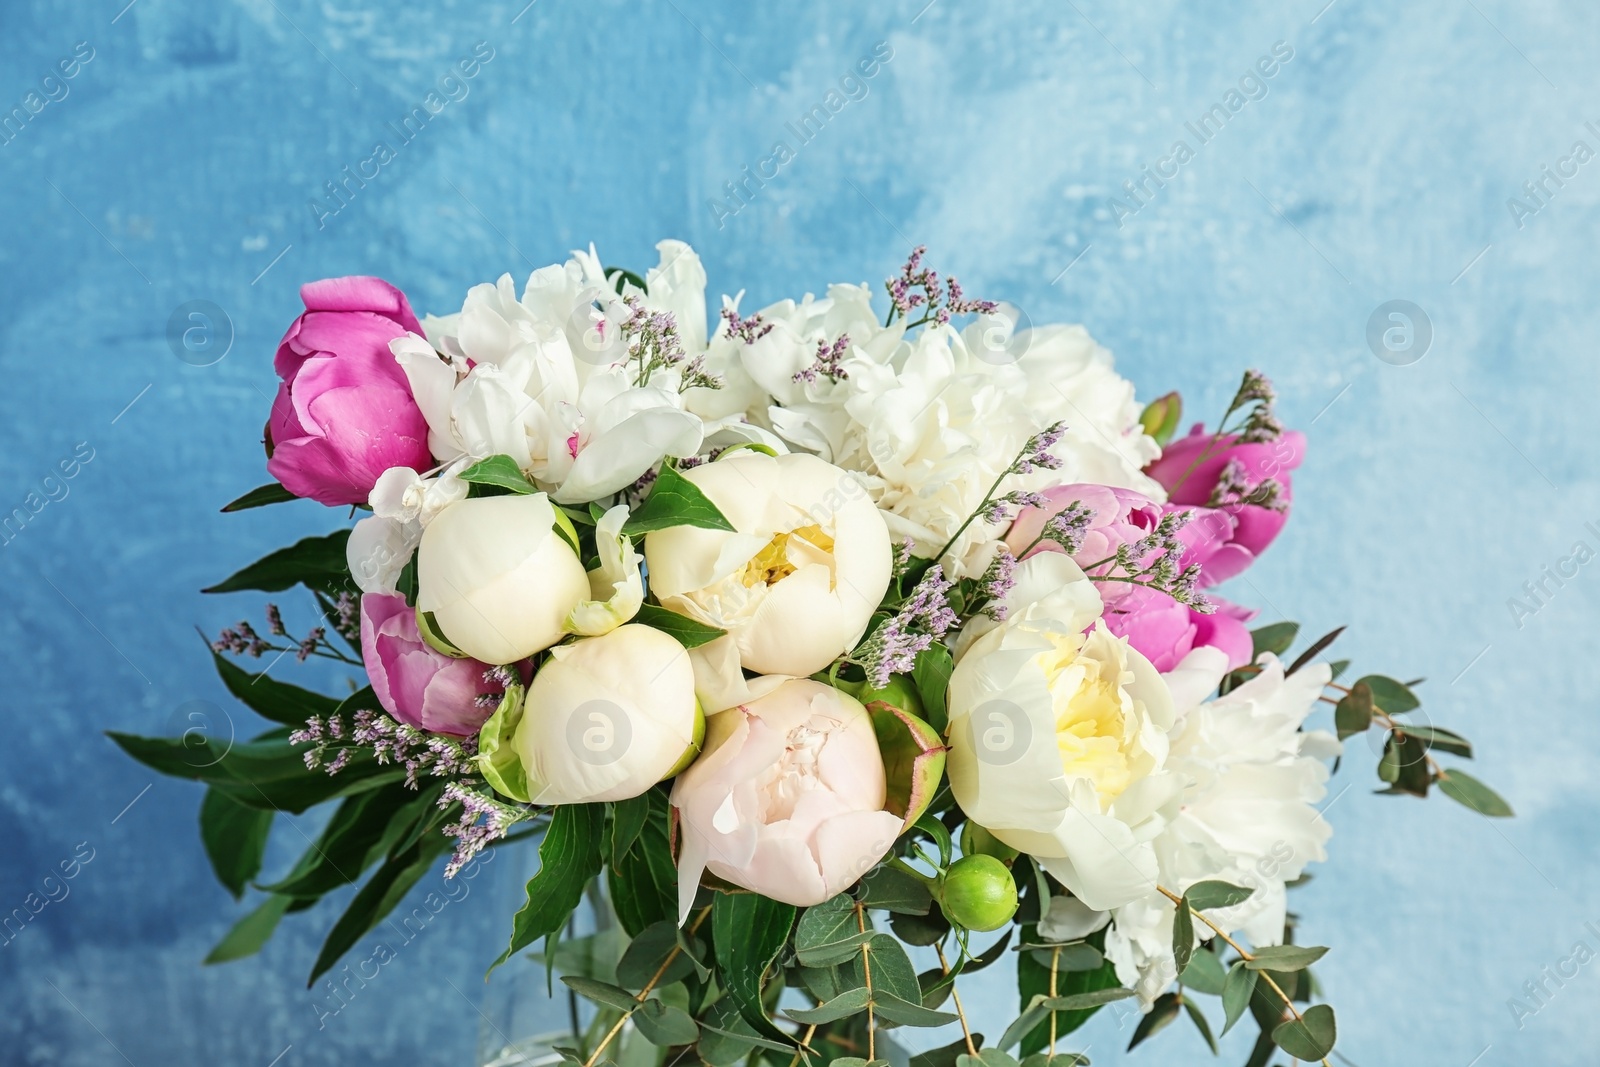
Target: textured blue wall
column 181, row 164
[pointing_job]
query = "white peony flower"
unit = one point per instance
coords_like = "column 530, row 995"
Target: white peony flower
column 1251, row 777
column 608, row 717
column 497, row 576
column 548, row 379
column 1058, row 737
column 797, row 580
column 933, row 422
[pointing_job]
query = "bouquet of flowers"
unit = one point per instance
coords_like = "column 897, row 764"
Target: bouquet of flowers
column 807, row 643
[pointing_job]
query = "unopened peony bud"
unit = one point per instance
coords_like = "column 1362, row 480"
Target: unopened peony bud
column 978, row 893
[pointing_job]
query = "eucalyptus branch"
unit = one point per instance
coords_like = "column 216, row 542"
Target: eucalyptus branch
column 1243, row 954
column 966, row 1031
column 643, row 994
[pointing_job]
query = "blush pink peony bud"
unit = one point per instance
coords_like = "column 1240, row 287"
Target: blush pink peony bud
column 788, row 800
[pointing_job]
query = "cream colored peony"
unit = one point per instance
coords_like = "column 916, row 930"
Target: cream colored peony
column 1058, row 737
column 797, row 580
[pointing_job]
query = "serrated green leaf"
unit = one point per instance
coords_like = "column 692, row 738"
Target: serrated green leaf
column 569, row 856
column 261, row 496
column 1285, row 958
column 1465, row 789
column 500, row 471
column 316, row 562
column 235, row 838
column 675, row 501
column 1311, row 1037
column 690, row 633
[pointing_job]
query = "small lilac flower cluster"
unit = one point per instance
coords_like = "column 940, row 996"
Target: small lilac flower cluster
column 420, row 752
column 498, row 679
column 902, row 557
column 1002, row 509
column 1233, row 487
column 346, row 616
column 998, row 579
column 828, row 363
column 1261, row 423
column 483, row 821
column 748, row 330
column 938, row 304
column 1152, row 561
column 923, row 619
column 1036, row 454
column 242, row 639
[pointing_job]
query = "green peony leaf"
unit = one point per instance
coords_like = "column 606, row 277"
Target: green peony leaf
column 675, row 501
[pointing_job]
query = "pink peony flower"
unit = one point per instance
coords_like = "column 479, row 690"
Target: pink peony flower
column 415, row 683
column 1228, row 469
column 344, row 413
column 1155, row 624
column 787, row 799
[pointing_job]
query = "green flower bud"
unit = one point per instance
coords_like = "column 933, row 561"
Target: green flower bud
column 976, row 841
column 1161, row 416
column 978, row 893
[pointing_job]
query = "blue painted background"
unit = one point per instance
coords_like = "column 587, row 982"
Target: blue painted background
column 181, row 165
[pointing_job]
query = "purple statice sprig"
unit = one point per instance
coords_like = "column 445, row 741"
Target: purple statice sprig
column 334, row 741
column 654, row 343
column 242, row 639
column 1154, row 561
column 925, row 617
column 996, row 583
column 917, row 286
column 1002, row 509
column 1234, row 487
column 995, row 508
column 484, row 819
column 828, row 362
column 749, row 330
column 1256, row 423
column 1066, row 528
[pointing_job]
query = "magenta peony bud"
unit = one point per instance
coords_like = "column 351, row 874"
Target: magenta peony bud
column 416, row 684
column 1205, row 483
column 344, row 413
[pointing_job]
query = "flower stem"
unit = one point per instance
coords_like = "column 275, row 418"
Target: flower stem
column 966, row 1031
